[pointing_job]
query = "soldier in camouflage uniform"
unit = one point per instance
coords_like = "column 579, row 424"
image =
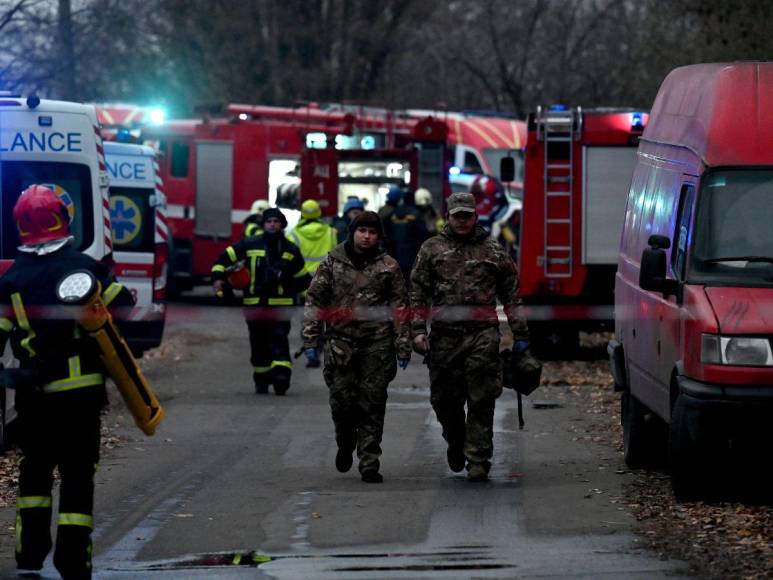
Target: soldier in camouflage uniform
column 358, row 295
column 460, row 274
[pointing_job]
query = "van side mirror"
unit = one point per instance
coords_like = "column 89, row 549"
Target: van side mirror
column 507, row 169
column 652, row 272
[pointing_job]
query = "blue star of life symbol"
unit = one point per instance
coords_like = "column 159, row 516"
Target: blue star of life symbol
column 124, row 218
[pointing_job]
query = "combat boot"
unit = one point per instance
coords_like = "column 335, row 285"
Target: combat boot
column 477, row 472
column 456, row 458
column 261, row 383
column 372, row 476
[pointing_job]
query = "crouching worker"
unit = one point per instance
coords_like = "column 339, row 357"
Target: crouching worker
column 277, row 273
column 63, row 391
column 358, row 299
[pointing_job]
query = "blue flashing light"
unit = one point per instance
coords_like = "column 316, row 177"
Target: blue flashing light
column 558, row 108
column 368, row 142
column 454, row 170
column 123, row 135
column 45, row 121
column 637, row 119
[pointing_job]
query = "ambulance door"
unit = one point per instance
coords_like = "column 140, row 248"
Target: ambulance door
column 214, row 189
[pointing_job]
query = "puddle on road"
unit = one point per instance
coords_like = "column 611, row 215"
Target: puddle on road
column 465, row 558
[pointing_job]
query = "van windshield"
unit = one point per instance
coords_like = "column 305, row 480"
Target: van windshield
column 133, row 219
column 71, row 181
column 734, row 229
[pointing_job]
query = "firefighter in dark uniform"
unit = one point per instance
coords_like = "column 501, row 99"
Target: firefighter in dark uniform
column 63, row 387
column 277, row 274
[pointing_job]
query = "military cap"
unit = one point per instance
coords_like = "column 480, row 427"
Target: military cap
column 462, row 201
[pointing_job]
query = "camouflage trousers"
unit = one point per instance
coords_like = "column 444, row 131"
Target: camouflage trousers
column 464, row 368
column 358, row 376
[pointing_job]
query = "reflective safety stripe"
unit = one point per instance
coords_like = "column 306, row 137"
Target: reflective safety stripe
column 73, row 383
column 315, row 258
column 33, row 501
column 251, row 301
column 231, row 253
column 293, row 237
column 23, row 322
column 112, row 291
column 253, row 255
column 282, row 363
column 261, row 370
column 287, row 256
column 218, row 268
column 74, row 363
column 302, row 272
column 73, row 519
column 281, row 301
column 6, row 325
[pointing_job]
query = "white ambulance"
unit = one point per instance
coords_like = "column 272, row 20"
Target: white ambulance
column 57, row 144
column 140, row 239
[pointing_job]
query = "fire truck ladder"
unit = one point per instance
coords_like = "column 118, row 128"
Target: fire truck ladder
column 558, row 129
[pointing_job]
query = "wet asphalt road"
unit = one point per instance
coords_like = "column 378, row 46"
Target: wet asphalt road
column 239, row 485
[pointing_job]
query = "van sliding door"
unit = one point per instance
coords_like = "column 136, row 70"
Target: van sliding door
column 214, row 189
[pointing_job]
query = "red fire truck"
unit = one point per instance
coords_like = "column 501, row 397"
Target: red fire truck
column 214, row 169
column 578, row 169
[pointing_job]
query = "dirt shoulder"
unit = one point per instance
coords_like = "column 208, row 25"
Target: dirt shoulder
column 718, row 540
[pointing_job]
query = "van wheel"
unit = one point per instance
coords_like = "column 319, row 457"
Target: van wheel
column 645, row 436
column 687, row 457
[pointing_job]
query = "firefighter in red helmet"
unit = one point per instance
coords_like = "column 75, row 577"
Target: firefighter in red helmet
column 60, row 387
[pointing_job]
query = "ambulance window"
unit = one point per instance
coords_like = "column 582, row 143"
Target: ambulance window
column 71, row 181
column 682, row 233
column 180, row 154
column 471, row 163
column 133, row 219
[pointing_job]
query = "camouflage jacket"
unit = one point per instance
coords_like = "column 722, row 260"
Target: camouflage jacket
column 362, row 306
column 460, row 279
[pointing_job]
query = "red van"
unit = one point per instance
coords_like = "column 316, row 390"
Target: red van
column 694, row 285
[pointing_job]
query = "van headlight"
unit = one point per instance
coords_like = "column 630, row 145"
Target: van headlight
column 736, row 350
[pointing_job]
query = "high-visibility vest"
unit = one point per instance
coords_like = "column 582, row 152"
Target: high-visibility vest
column 315, row 239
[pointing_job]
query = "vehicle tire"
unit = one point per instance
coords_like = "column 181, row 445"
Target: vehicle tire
column 645, row 435
column 688, row 458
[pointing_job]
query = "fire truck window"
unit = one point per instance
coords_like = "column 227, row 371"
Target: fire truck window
column 471, row 163
column 70, row 181
column 180, row 155
column 682, row 233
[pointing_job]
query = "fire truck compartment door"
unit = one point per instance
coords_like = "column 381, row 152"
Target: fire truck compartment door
column 607, row 172
column 214, row 184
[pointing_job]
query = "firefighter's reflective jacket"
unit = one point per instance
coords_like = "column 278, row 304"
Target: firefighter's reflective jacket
column 277, row 270
column 44, row 335
column 315, row 240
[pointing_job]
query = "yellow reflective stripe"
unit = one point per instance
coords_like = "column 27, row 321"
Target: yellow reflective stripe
column 253, row 255
column 252, row 301
column 73, row 383
column 287, row 256
column 281, row 301
column 33, row 501
column 231, row 253
column 73, row 519
column 302, row 272
column 218, row 268
column 23, row 321
column 75, row 366
column 6, row 325
column 112, row 291
column 261, row 370
column 282, row 363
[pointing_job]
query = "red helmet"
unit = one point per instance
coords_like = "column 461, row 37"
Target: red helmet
column 40, row 216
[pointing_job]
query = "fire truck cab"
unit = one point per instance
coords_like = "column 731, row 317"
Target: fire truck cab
column 578, row 169
column 140, row 238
